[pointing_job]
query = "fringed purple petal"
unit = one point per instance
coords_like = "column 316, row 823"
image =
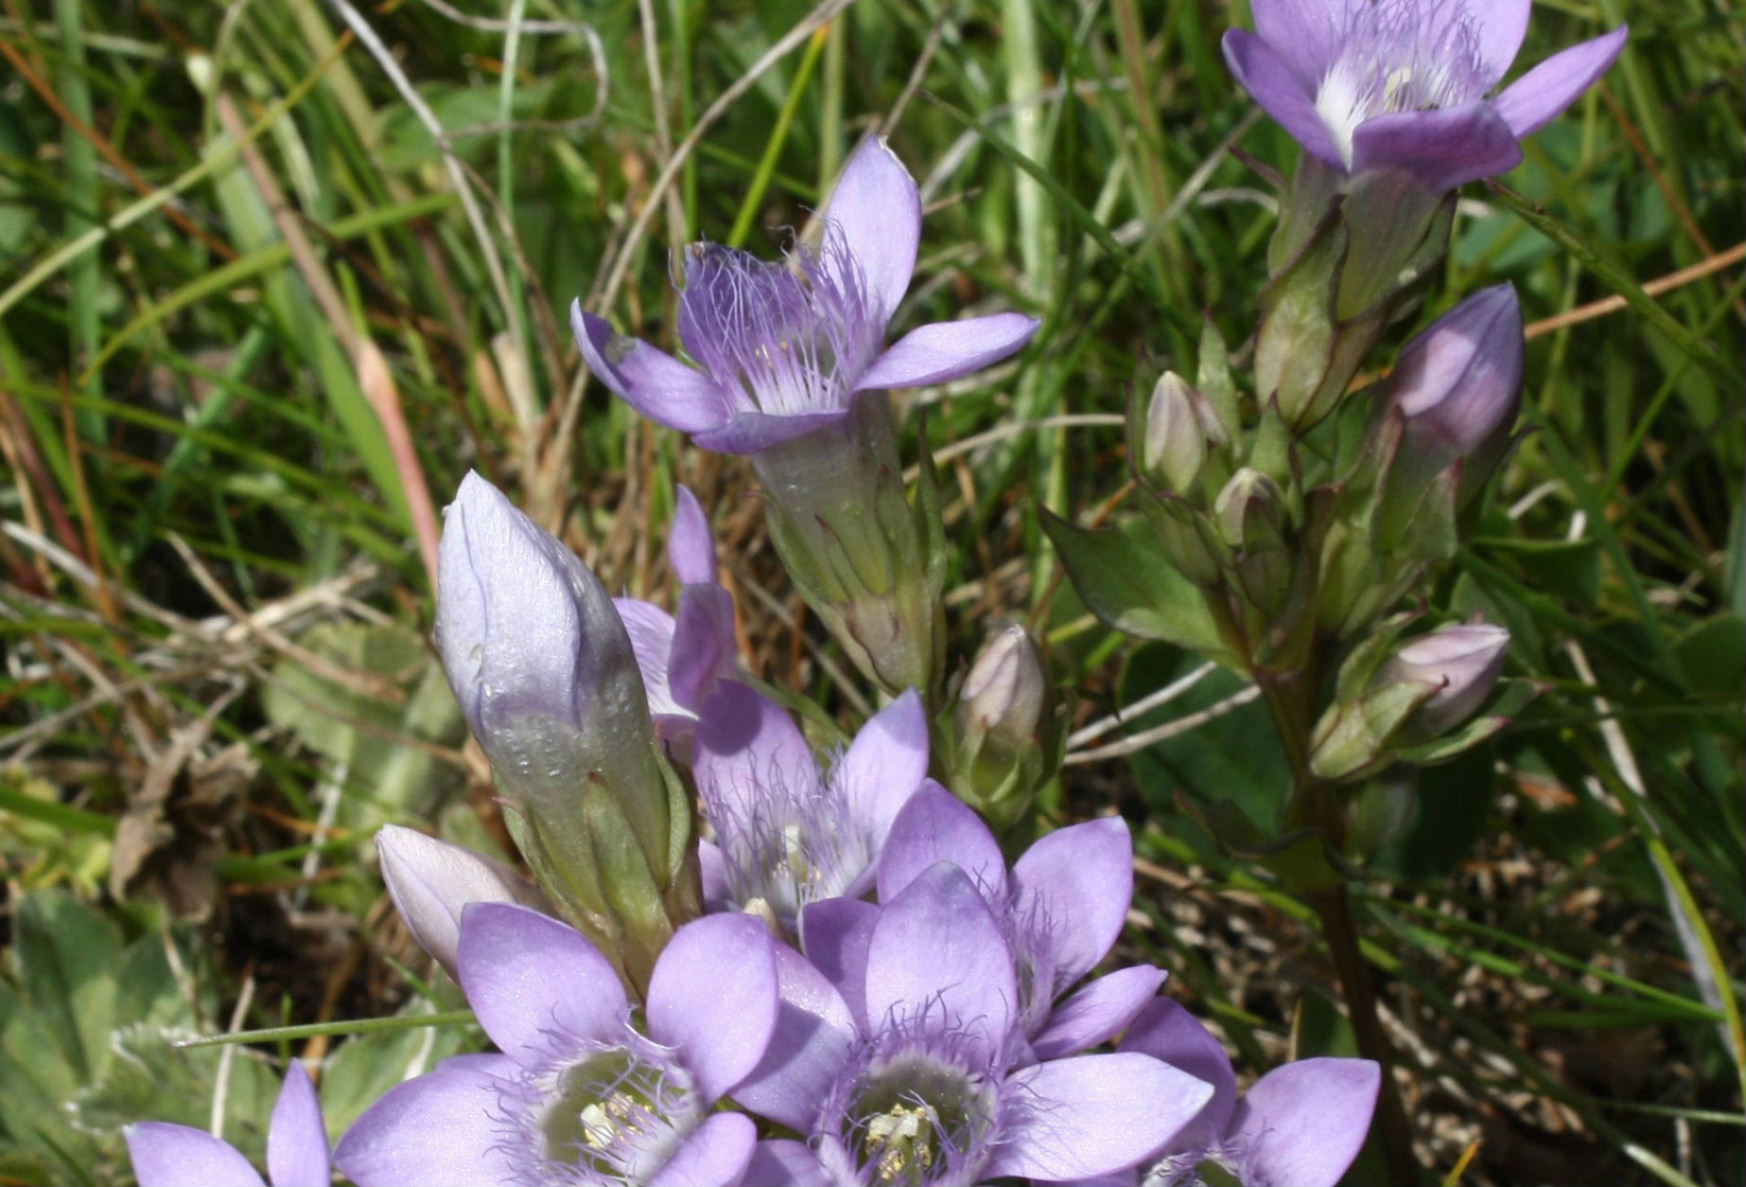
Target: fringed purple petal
column 690, row 546
column 1541, row 95
column 297, row 1153
column 528, row 976
column 936, row 826
column 813, row 1037
column 1305, row 1122
column 1079, row 880
column 439, row 1130
column 704, row 650
column 1281, row 93
column 938, row 958
column 1498, row 28
column 649, row 379
column 745, row 743
column 1304, row 33
column 1094, row 1114
column 784, row 1163
column 836, row 934
column 714, row 1155
column 878, row 208
column 166, row 1155
column 948, row 350
column 713, row 996
column 753, row 432
column 885, row 764
column 1442, row 149
column 1098, row 1012
column 1164, row 1030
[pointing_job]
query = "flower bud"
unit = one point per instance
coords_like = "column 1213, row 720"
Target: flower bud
column 1181, row 430
column 1003, row 695
column 1462, row 663
column 432, row 880
column 546, row 677
column 1250, row 511
column 1459, row 383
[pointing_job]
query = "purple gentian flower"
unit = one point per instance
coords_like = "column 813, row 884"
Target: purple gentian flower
column 783, row 347
column 787, row 833
column 899, row 1056
column 1376, row 84
column 1301, row 1125
column 682, row 657
column 166, row 1155
column 1060, row 911
column 579, row 1095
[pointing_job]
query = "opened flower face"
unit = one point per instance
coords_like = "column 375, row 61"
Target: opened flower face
column 783, row 347
column 580, row 1093
column 1372, row 84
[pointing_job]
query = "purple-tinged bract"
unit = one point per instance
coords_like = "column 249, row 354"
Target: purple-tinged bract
column 1407, row 84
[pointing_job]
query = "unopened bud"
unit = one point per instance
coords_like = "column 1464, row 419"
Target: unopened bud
column 1003, row 695
column 1182, row 428
column 1250, row 511
column 432, row 880
column 1462, row 663
column 546, row 677
column 1460, row 382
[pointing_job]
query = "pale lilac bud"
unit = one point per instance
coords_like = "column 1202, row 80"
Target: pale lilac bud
column 1462, row 663
column 1182, row 429
column 1460, row 382
column 1003, row 695
column 432, row 880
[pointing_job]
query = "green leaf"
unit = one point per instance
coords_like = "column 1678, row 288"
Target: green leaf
column 1124, row 579
column 67, row 959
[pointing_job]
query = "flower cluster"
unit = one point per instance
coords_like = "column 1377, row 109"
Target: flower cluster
column 755, row 948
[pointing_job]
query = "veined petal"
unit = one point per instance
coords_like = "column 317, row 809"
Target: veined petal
column 1443, row 148
column 938, row 958
column 813, row 1037
column 714, row 1155
column 713, row 996
column 1098, row 1012
column 527, row 974
column 936, row 826
column 1276, row 87
column 878, row 207
column 1305, row 1122
column 439, row 1130
column 836, row 934
column 1164, row 1030
column 649, row 379
column 166, row 1155
column 297, row 1153
column 948, row 350
column 1081, row 880
column 1094, row 1114
column 885, row 763
column 1541, row 95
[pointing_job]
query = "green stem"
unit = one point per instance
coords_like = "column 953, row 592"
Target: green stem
column 1315, row 803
